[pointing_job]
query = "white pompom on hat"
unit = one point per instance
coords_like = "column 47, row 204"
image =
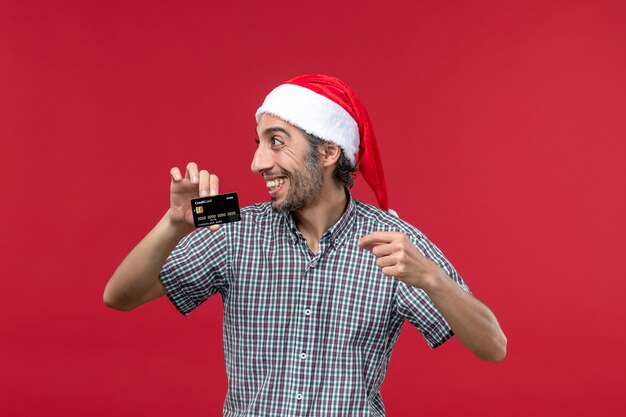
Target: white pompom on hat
column 326, row 107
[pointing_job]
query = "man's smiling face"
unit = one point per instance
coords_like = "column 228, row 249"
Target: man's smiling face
column 288, row 164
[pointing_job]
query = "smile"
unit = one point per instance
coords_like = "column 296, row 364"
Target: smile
column 275, row 183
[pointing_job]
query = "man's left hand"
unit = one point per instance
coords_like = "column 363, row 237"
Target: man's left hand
column 398, row 257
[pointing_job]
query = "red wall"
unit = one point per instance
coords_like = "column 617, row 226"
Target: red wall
column 502, row 127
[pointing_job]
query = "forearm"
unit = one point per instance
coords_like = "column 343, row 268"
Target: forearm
column 472, row 322
column 136, row 280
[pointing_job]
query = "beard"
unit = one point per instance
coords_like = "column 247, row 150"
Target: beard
column 304, row 186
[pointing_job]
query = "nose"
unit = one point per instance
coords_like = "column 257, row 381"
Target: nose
column 262, row 160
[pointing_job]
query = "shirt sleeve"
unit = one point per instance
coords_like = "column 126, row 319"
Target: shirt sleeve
column 196, row 269
column 413, row 303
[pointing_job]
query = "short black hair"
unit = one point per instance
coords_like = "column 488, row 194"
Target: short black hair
column 344, row 170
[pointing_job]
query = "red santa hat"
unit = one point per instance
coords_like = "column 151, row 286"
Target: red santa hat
column 326, row 107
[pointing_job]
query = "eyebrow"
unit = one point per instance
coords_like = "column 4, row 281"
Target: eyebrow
column 275, row 129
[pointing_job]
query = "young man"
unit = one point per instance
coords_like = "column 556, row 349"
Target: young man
column 315, row 284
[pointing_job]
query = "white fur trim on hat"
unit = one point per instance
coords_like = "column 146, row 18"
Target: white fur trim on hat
column 315, row 114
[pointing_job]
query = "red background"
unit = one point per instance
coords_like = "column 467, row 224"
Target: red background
column 501, row 125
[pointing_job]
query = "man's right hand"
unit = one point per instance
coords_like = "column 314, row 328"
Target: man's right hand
column 136, row 281
column 194, row 184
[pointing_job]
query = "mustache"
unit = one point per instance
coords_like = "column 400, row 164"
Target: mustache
column 277, row 174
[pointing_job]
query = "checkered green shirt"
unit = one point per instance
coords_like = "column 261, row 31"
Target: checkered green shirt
column 304, row 334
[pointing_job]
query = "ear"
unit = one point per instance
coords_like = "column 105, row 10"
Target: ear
column 330, row 154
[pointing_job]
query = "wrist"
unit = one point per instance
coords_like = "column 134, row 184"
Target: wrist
column 436, row 283
column 175, row 227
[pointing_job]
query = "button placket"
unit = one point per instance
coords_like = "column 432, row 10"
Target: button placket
column 302, row 360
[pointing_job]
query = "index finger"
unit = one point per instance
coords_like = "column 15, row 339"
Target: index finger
column 377, row 238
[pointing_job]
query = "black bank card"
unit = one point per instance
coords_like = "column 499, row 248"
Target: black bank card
column 217, row 209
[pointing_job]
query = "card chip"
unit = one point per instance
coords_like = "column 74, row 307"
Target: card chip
column 199, row 210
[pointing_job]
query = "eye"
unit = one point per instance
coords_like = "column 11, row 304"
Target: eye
column 276, row 141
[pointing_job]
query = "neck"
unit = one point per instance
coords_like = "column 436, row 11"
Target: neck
column 312, row 222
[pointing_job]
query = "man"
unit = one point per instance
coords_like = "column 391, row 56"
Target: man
column 315, row 284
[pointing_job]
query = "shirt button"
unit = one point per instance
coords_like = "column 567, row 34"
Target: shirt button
column 303, row 355
column 307, row 312
column 299, row 396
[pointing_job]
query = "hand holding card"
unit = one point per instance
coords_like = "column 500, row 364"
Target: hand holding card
column 195, row 183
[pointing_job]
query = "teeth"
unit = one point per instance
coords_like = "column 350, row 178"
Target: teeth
column 271, row 184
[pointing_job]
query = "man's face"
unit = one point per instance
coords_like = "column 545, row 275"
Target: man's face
column 292, row 173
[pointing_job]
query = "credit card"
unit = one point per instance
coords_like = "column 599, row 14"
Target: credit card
column 217, row 209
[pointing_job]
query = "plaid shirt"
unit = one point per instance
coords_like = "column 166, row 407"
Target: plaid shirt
column 304, row 334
